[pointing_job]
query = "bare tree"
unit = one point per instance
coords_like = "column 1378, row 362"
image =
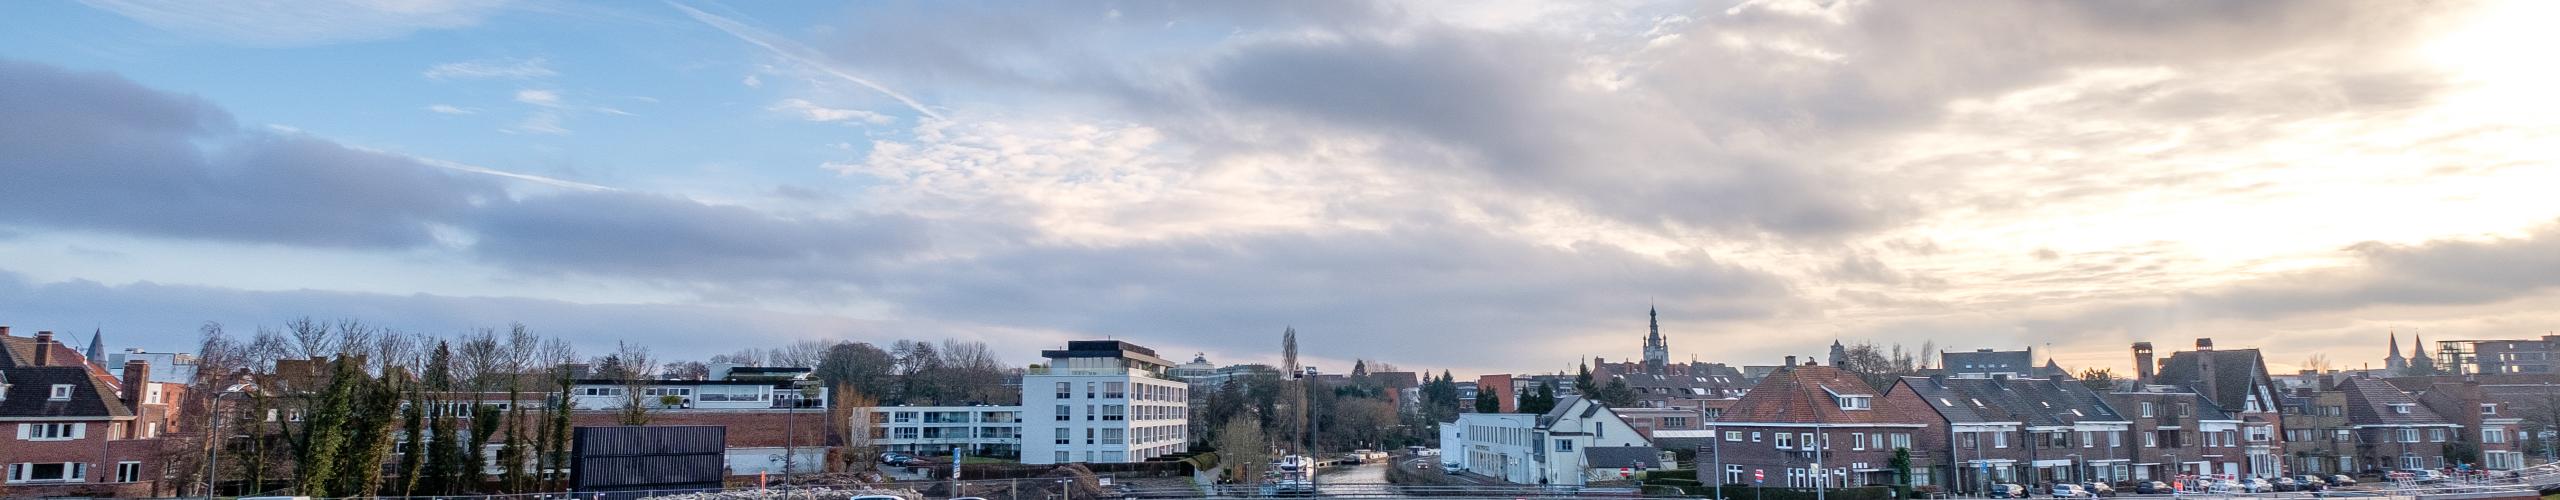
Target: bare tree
column 851, row 420
column 2318, row 363
column 265, row 348
column 802, row 354
column 631, row 365
column 685, row 370
column 744, row 357
column 1242, row 451
column 311, row 337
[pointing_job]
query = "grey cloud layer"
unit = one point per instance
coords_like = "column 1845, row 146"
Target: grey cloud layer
column 96, row 152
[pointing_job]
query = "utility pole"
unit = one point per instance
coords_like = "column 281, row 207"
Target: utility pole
column 1715, row 449
column 1822, row 440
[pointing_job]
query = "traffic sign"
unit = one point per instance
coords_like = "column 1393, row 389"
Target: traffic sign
column 1757, row 476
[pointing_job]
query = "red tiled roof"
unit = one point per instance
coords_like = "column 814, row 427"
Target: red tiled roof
column 1803, row 394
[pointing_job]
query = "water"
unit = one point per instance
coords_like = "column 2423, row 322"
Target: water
column 1363, row 479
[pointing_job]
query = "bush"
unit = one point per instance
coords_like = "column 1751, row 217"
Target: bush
column 1690, row 474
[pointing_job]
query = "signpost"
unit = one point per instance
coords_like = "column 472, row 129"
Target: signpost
column 1757, row 478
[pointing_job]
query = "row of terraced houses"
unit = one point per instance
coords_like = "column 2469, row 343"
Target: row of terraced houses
column 2204, row 412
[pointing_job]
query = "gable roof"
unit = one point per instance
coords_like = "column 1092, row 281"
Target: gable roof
column 31, row 394
column 2031, row 402
column 2235, row 372
column 1988, row 361
column 2370, row 402
column 1613, row 457
column 1804, row 394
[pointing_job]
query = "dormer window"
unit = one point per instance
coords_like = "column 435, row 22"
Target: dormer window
column 61, row 392
column 2488, row 408
column 2401, row 408
column 1855, row 402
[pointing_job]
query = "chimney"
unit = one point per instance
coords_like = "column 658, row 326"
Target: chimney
column 2142, row 364
column 2205, row 373
column 44, row 348
column 4, row 330
column 2204, row 344
column 137, row 380
column 1791, row 363
column 2329, row 381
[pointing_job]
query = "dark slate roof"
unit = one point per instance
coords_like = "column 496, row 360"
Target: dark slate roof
column 2032, row 402
column 1988, row 361
column 1563, row 404
column 31, row 392
column 1612, row 457
column 2234, row 370
column 2369, row 402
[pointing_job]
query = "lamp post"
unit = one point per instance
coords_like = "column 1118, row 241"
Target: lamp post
column 215, row 437
column 1715, row 449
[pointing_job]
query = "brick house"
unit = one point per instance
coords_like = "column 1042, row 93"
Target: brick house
column 2040, row 431
column 69, row 429
column 2237, row 382
column 2318, row 439
column 2489, row 408
column 1811, row 425
column 2393, row 431
column 2178, row 433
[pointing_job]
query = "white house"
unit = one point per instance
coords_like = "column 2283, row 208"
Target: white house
column 985, row 430
column 1102, row 401
column 1547, row 449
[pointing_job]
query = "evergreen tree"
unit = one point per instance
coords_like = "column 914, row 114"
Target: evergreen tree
column 558, row 442
column 484, row 423
column 370, row 441
column 1486, row 402
column 413, row 431
column 1617, row 394
column 324, row 431
column 1582, row 383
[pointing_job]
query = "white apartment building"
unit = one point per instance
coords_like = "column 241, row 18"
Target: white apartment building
column 985, row 430
column 1102, row 401
column 1546, row 449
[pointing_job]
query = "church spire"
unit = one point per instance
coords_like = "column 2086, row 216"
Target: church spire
column 97, row 347
column 2394, row 363
column 1657, row 353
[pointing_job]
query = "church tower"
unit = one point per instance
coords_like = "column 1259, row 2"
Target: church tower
column 2421, row 364
column 2394, row 364
column 1657, row 354
column 1839, row 354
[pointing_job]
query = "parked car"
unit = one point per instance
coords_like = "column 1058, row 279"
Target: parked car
column 2310, row 482
column 2424, row 475
column 2008, row 491
column 1449, row 467
column 2342, row 480
column 2153, row 488
column 2286, row 484
column 2066, row 490
column 2256, row 485
column 2102, row 489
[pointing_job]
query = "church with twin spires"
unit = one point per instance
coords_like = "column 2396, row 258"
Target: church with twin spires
column 1657, row 379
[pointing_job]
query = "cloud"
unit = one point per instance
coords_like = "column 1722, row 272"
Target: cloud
column 540, row 122
column 539, row 97
column 513, row 69
column 89, row 151
column 448, row 109
column 794, row 52
column 657, row 237
column 295, row 23
column 810, row 111
column 164, row 317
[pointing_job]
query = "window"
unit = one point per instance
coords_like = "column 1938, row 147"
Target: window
column 2150, row 440
column 2488, row 408
column 2146, row 408
column 2408, row 435
column 1091, row 412
column 1113, row 436
column 1114, row 390
column 1755, row 436
column 1732, row 474
column 1999, row 440
column 1564, row 445
column 1808, row 443
column 2087, row 441
column 1902, row 440
column 61, row 392
column 52, row 431
column 1088, row 390
column 1063, row 458
column 154, row 398
column 1733, row 436
column 2115, row 439
column 1066, row 390
column 49, row 472
column 2401, row 408
column 2493, row 435
column 1114, row 412
column 1971, row 440
column 2412, row 462
column 1854, row 402
column 2435, row 435
column 2057, row 439
column 2344, row 436
column 1857, row 440
column 1066, row 412
column 1088, row 436
column 128, row 472
column 1879, row 441
column 1786, row 441
column 1064, row 437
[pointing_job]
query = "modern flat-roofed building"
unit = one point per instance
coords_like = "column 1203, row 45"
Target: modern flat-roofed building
column 985, row 430
column 1102, row 401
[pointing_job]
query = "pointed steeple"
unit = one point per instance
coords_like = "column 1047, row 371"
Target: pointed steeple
column 1657, row 352
column 97, row 347
column 2421, row 363
column 2394, row 363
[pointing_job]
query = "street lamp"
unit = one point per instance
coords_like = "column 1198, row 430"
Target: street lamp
column 215, row 437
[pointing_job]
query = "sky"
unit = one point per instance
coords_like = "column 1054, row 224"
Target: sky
column 1478, row 186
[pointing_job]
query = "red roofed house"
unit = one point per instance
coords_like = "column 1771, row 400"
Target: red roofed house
column 1808, row 425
